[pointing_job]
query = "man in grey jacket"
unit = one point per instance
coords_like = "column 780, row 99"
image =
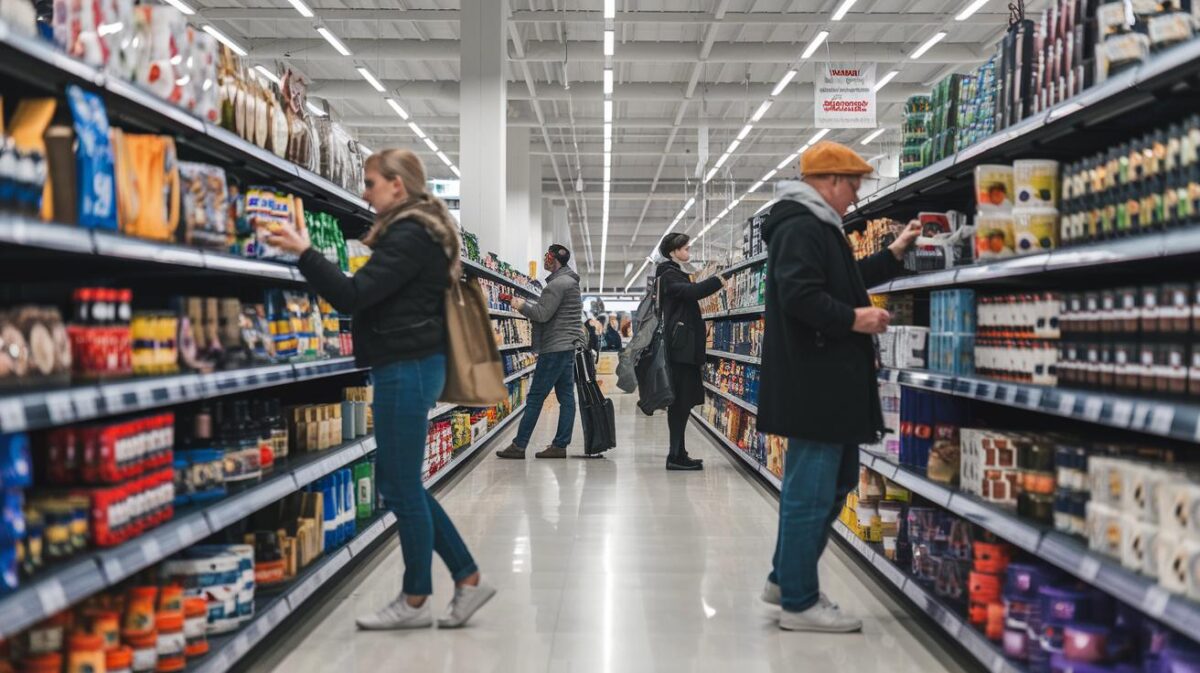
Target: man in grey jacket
column 556, row 317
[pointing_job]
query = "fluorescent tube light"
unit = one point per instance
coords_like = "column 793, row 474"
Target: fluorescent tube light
column 455, row 171
column 817, row 136
column 607, row 160
column 733, row 146
column 745, row 131
column 399, row 110
column 920, row 51
column 883, row 81
column 268, row 74
column 375, row 83
column 445, row 159
column 367, row 150
column 711, row 172
column 608, row 81
column 816, row 42
column 431, row 145
column 333, row 40
column 608, row 111
column 417, row 130
column 608, row 144
column 609, row 42
column 787, row 162
column 610, row 9
column 874, row 134
column 688, row 206
column 762, row 110
column 608, row 130
column 754, row 187
column 787, row 78
column 224, row 39
column 770, row 174
column 314, row 109
column 970, row 9
column 721, row 161
column 304, row 10
column 841, row 11
column 183, row 7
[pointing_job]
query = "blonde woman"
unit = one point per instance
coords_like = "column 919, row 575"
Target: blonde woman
column 397, row 301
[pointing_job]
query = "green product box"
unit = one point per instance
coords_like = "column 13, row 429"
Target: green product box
column 364, row 490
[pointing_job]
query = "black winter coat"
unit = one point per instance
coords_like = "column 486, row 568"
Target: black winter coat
column 683, row 329
column 397, row 299
column 818, row 376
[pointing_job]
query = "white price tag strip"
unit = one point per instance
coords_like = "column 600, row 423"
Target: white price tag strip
column 1161, row 419
column 1066, row 404
column 145, row 396
column 84, row 402
column 60, row 408
column 113, row 570
column 1035, row 397
column 12, row 415
column 151, row 550
column 52, row 597
column 1089, row 568
column 1155, row 602
column 1122, row 414
column 1141, row 415
column 1092, row 408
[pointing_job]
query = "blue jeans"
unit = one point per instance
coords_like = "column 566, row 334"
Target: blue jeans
column 554, row 371
column 404, row 393
column 817, row 477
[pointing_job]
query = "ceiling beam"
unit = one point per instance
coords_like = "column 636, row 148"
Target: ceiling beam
column 790, row 124
column 637, row 52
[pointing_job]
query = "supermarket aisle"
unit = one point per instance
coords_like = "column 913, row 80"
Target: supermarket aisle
column 612, row 565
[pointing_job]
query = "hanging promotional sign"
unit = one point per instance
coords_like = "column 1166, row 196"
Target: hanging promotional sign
column 844, row 95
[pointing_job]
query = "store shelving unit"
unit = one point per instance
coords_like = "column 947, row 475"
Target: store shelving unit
column 481, row 271
column 1067, row 552
column 497, row 313
column 732, row 398
column 754, row 465
column 228, row 650
column 1119, row 97
column 519, row 374
column 748, row 359
column 744, row 264
column 735, row 312
column 1161, row 417
column 513, row 347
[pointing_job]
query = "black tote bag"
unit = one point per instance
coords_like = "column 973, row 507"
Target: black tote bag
column 653, row 371
column 596, row 412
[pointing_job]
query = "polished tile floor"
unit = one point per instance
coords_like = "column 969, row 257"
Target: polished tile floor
column 612, row 565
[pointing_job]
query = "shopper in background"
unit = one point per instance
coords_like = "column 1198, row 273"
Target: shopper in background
column 556, row 316
column 818, row 384
column 684, row 333
column 612, row 337
column 592, row 332
column 398, row 304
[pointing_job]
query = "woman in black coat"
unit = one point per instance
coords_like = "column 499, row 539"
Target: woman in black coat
column 684, row 333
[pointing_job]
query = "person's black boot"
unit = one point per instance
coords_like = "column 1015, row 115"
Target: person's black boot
column 683, row 464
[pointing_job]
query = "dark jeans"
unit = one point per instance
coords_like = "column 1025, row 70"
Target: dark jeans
column 817, row 477
column 404, row 393
column 677, row 420
column 554, row 371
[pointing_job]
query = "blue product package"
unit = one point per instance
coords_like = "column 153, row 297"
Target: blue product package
column 329, row 523
column 9, row 580
column 12, row 506
column 16, row 469
column 95, row 174
column 350, row 509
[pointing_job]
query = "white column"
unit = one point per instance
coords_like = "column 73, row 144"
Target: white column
column 536, row 243
column 517, row 225
column 482, row 113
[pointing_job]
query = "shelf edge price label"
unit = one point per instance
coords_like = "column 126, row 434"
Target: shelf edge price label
column 1155, row 601
column 84, row 402
column 51, row 596
column 12, row 416
column 1093, row 407
column 1161, row 419
column 59, row 406
column 1089, row 568
column 1066, row 404
column 1122, row 413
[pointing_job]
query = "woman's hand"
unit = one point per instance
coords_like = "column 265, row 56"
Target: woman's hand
column 287, row 239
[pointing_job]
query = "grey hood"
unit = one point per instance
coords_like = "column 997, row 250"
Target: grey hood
column 805, row 195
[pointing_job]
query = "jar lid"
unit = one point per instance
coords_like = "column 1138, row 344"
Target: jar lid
column 144, row 592
column 80, row 641
column 169, row 621
column 122, row 657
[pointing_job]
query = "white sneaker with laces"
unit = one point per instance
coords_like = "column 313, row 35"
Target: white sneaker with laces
column 819, row 618
column 398, row 615
column 467, row 600
column 773, row 596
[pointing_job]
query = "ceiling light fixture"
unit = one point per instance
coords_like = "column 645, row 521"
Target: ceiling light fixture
column 224, row 39
column 607, row 160
column 754, row 187
column 816, row 136
column 721, row 161
column 816, row 42
column 733, row 146
column 314, row 109
column 608, row 80
column 688, row 206
column 970, row 9
column 609, row 42
column 841, row 11
column 745, row 131
column 873, row 135
column 711, row 172
column 920, row 51
column 455, row 171
column 762, row 110
column 365, row 150
column 333, row 41
column 610, row 9
column 608, row 111
column 608, row 144
column 607, row 130
column 787, row 78
column 445, row 159
column 304, row 10
column 268, row 74
column 431, row 145
column 787, row 162
column 417, row 130
column 770, row 174
column 883, row 81
column 183, row 7
column 375, row 83
column 396, row 106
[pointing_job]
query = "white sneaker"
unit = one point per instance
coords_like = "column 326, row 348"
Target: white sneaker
column 819, row 618
column 398, row 615
column 467, row 600
column 773, row 596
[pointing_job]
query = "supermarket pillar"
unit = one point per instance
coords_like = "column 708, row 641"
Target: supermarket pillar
column 483, row 107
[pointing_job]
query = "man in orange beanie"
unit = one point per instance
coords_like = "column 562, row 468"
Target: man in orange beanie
column 818, row 385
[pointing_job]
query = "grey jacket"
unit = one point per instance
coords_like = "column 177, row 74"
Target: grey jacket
column 557, row 315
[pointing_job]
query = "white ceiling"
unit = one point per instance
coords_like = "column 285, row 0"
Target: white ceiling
column 679, row 65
